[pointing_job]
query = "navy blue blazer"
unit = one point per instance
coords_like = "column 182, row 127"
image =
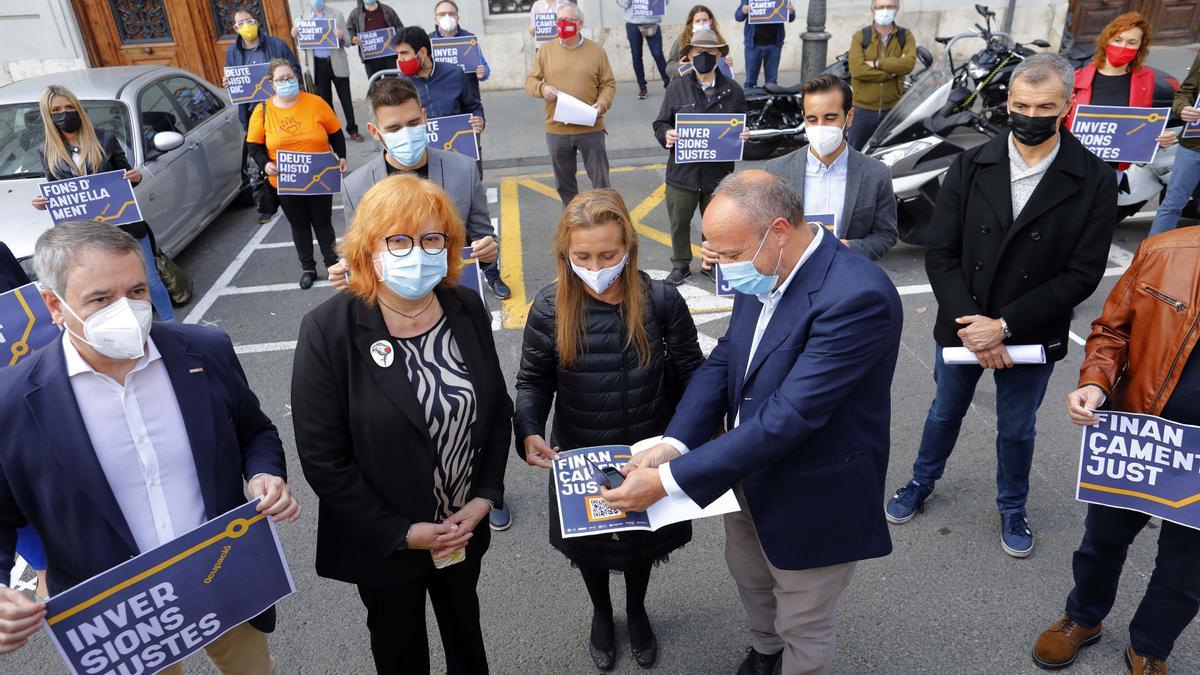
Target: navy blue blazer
column 50, row 477
column 811, row 450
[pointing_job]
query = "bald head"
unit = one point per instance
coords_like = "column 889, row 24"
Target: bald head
column 762, row 198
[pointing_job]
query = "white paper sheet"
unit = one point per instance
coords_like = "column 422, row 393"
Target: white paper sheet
column 669, row 510
column 1023, row 355
column 570, row 110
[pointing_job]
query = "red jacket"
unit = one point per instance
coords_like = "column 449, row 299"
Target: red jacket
column 1141, row 92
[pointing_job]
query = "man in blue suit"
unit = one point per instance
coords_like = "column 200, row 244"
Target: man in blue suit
column 802, row 379
column 123, row 434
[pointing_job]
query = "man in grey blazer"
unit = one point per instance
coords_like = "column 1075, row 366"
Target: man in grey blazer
column 833, row 177
column 330, row 68
column 399, row 125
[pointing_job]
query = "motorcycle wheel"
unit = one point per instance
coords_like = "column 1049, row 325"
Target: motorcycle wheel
column 1128, row 210
column 755, row 150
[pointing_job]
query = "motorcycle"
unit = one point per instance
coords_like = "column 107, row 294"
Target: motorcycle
column 775, row 116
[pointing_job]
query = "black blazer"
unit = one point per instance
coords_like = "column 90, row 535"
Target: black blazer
column 364, row 443
column 1032, row 272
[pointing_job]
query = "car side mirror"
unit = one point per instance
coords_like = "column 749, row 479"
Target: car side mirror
column 166, row 141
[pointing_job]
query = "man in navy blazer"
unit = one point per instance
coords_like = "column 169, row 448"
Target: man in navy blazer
column 802, row 379
column 123, row 434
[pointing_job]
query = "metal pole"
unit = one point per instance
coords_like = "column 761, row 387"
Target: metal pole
column 1008, row 16
column 815, row 42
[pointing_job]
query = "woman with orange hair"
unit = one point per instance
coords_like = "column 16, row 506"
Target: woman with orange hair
column 1116, row 76
column 611, row 350
column 402, row 425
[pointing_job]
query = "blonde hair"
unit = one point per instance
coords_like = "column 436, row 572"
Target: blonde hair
column 591, row 209
column 399, row 204
column 57, row 152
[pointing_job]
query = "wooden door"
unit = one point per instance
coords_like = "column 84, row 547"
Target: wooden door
column 1173, row 21
column 1089, row 17
column 188, row 34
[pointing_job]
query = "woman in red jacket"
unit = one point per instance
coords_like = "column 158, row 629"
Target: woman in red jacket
column 1116, row 75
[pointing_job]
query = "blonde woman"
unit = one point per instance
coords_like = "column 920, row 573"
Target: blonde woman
column 607, row 347
column 73, row 147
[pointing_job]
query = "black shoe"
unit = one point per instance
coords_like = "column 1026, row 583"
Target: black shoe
column 678, row 274
column 264, row 218
column 499, row 288
column 307, row 279
column 711, row 273
column 648, row 656
column 757, row 663
column 605, row 659
column 642, row 94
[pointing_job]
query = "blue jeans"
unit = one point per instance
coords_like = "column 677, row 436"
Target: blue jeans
column 635, row 45
column 865, row 123
column 158, row 292
column 766, row 57
column 1184, row 177
column 1019, row 393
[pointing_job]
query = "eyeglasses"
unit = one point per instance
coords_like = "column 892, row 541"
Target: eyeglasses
column 246, row 22
column 285, row 80
column 401, row 245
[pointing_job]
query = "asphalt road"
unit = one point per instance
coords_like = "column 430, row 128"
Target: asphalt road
column 946, row 600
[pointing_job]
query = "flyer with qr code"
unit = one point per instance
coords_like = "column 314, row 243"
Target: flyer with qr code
column 582, row 511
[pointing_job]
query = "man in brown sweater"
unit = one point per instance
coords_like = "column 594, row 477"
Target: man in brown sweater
column 579, row 67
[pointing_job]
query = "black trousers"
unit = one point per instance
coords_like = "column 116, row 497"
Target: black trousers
column 1173, row 595
column 326, row 81
column 396, row 620
column 309, row 215
column 375, row 65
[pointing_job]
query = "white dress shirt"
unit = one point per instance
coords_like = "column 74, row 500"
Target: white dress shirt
column 139, row 437
column 825, row 187
column 770, row 301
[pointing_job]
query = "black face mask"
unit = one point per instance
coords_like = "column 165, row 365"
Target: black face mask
column 67, row 120
column 1032, row 130
column 704, row 63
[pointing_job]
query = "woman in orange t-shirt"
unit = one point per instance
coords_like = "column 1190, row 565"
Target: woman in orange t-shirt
column 296, row 121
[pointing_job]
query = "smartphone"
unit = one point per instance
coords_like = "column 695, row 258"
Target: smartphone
column 609, row 476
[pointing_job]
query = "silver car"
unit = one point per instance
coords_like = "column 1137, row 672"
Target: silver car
column 181, row 131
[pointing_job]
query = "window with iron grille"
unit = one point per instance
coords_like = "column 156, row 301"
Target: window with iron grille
column 508, row 7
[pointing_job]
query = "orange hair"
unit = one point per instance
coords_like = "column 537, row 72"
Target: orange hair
column 1119, row 25
column 399, row 204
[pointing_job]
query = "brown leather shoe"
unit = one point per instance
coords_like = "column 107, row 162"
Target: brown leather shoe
column 1144, row 665
column 1058, row 646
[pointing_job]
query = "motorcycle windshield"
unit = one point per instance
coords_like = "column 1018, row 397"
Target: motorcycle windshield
column 917, row 104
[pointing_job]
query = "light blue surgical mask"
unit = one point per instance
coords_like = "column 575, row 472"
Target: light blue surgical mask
column 407, row 145
column 745, row 278
column 414, row 275
column 289, row 89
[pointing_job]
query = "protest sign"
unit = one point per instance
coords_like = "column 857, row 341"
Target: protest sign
column 709, row 137
column 249, row 84
column 307, row 173
column 155, row 609
column 723, row 287
column 1142, row 463
column 582, row 511
column 377, row 44
column 462, row 51
column 768, row 11
column 453, row 134
column 686, row 68
column 641, row 8
column 825, row 220
column 1192, row 130
column 545, row 27
column 105, row 197
column 472, row 274
column 316, row 33
column 1120, row 134
column 25, row 324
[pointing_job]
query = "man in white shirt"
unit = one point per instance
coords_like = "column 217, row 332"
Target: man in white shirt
column 814, row 328
column 140, row 431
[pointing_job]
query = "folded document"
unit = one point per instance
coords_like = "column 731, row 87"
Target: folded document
column 1021, row 355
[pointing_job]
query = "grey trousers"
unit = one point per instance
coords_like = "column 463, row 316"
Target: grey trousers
column 562, row 149
column 790, row 610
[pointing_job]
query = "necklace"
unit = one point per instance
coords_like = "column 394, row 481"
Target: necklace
column 412, row 317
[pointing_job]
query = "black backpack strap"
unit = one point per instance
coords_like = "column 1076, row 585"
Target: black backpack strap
column 866, row 38
column 902, row 36
column 658, row 295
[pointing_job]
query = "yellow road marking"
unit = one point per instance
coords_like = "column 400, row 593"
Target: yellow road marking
column 516, row 309
column 1142, row 495
column 616, row 169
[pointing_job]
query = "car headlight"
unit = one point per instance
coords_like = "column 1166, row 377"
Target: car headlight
column 890, row 156
column 976, row 71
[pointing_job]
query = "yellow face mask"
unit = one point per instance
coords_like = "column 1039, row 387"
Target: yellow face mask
column 248, row 31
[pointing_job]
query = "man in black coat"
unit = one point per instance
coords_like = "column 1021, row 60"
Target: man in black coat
column 1023, row 225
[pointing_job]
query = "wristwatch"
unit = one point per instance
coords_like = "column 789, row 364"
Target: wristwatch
column 404, row 544
column 1004, row 327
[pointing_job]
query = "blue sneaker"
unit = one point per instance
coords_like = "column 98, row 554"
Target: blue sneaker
column 500, row 518
column 1015, row 535
column 907, row 502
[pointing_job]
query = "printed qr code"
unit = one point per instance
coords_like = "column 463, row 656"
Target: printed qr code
column 598, row 509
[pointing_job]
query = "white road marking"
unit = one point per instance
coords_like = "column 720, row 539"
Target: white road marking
column 496, row 226
column 493, row 195
column 270, row 288
column 1119, row 256
column 223, row 281
column 265, row 347
column 1075, row 338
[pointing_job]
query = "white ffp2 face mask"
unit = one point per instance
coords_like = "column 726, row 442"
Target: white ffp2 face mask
column 447, row 23
column 885, row 17
column 119, row 331
column 601, row 279
column 824, row 139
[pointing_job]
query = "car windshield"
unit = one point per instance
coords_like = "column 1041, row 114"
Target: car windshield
column 21, row 134
column 906, row 113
